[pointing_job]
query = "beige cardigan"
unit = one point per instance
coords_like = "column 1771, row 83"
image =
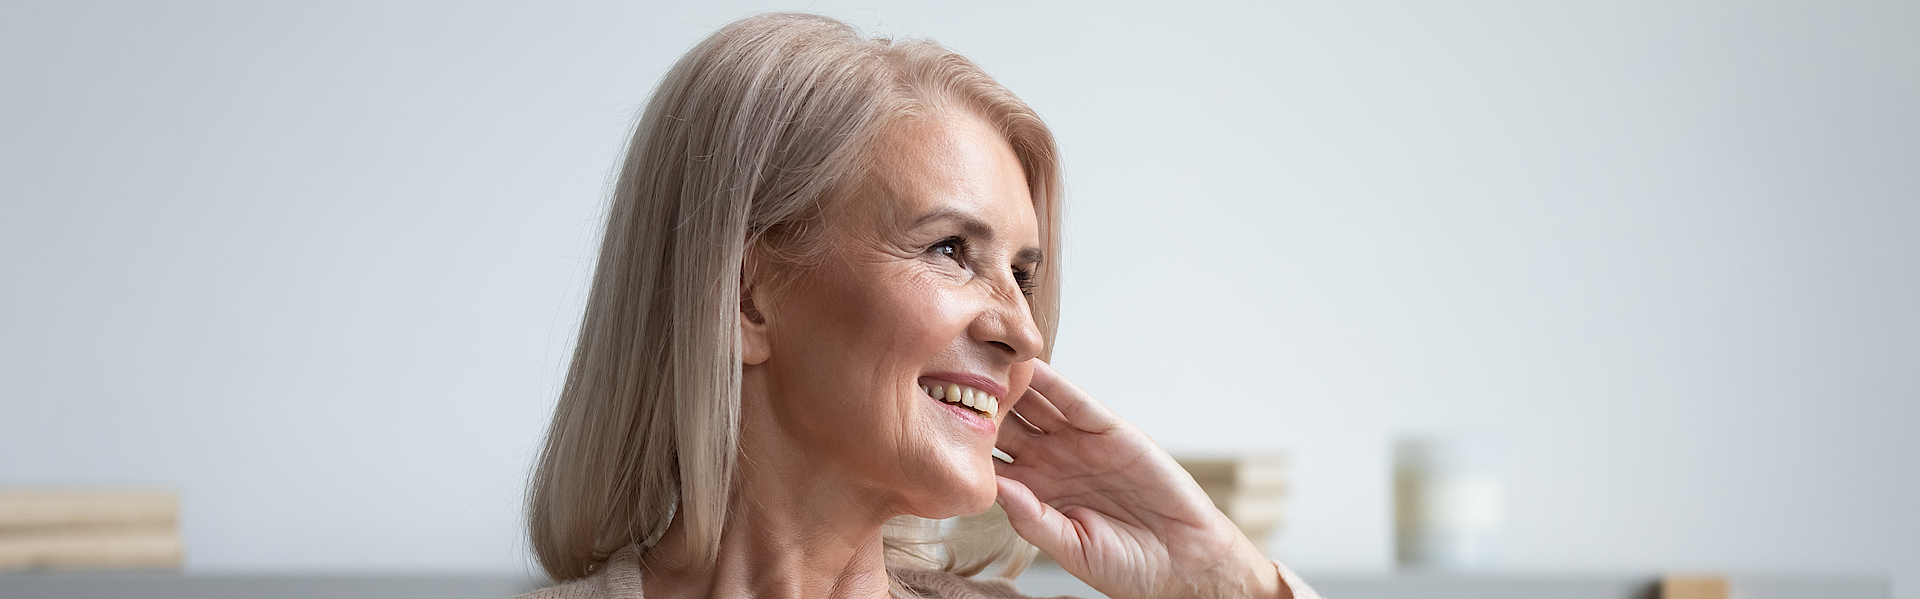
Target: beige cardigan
column 620, row 579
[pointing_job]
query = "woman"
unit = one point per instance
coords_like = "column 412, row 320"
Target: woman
column 823, row 299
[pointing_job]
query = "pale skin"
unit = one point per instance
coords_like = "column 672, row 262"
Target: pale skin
column 921, row 286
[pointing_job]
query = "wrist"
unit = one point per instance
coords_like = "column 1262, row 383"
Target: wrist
column 1265, row 581
column 1247, row 574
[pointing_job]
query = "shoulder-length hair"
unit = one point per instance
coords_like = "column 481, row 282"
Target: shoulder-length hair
column 746, row 138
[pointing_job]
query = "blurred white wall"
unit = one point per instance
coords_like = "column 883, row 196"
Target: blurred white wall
column 317, row 265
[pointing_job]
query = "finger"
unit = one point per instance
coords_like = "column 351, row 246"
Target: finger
column 1072, row 402
column 1014, row 471
column 1031, row 427
column 1039, row 411
column 1038, row 522
column 1014, row 437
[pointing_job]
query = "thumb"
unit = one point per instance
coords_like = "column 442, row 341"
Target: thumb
column 1037, row 522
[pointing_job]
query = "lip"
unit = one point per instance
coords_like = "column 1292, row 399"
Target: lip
column 976, row 420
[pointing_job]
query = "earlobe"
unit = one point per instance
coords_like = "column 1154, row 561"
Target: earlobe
column 754, row 348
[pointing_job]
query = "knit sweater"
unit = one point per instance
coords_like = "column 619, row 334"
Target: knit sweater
column 620, row 579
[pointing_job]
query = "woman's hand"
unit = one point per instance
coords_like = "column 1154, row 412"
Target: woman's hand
column 1115, row 510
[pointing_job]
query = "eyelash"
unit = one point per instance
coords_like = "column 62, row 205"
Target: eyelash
column 1021, row 276
column 1024, row 278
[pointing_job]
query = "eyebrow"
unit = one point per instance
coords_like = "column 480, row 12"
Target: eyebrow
column 979, row 229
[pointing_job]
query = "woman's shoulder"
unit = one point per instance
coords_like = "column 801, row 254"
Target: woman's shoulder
column 619, row 578
column 947, row 585
column 935, row 584
column 585, row 588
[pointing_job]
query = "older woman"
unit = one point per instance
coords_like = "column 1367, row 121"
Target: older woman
column 823, row 300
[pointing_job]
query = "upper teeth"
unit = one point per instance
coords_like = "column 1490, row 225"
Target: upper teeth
column 963, row 395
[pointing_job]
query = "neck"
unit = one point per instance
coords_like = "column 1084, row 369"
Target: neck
column 769, row 565
column 793, row 531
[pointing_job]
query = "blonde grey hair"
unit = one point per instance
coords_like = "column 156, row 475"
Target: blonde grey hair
column 747, row 138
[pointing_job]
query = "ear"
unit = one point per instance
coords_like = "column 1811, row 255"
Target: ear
column 754, row 343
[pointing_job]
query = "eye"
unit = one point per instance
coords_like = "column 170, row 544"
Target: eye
column 951, row 247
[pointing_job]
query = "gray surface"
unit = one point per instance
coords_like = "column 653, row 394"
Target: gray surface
column 165, row 586
column 1437, row 586
column 1045, row 580
column 1769, row 587
column 1485, row 587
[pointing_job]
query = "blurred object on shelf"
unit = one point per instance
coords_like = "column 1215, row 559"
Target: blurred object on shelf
column 1250, row 490
column 1693, row 586
column 1448, row 502
column 72, row 528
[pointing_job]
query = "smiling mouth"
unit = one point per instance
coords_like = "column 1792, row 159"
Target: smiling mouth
column 967, row 397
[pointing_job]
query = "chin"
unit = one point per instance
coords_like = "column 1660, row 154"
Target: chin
column 964, row 491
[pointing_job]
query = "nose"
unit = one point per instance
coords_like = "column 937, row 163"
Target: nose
column 1007, row 325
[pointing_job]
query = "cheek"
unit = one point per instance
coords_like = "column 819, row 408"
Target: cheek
column 911, row 318
column 874, row 316
column 860, row 342
column 1022, row 376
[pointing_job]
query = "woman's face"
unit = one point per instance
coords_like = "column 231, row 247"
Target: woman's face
column 919, row 299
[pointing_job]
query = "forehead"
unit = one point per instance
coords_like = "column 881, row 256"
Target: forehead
column 952, row 162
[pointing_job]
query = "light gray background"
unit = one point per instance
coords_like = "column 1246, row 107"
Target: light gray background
column 316, row 265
